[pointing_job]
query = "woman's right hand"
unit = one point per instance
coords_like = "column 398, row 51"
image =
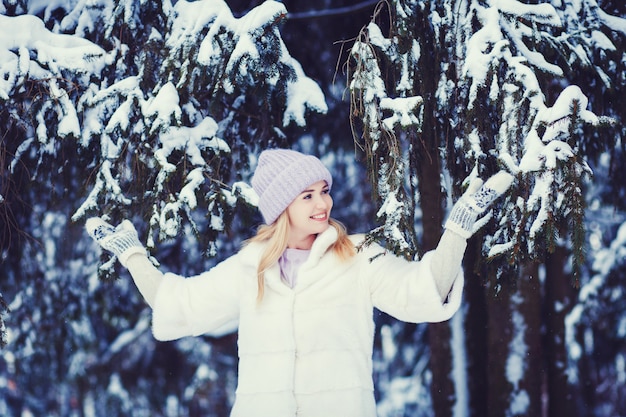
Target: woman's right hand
column 122, row 240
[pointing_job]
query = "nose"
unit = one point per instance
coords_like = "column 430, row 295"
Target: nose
column 320, row 202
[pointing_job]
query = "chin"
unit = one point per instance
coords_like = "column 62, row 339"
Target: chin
column 323, row 227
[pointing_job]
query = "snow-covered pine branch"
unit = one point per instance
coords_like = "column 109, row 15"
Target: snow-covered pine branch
column 158, row 109
column 491, row 62
column 383, row 120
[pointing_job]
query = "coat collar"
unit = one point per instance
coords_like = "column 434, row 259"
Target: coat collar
column 321, row 245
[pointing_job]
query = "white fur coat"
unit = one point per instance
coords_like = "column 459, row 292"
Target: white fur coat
column 305, row 351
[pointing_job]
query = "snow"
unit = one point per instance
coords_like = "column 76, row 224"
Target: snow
column 518, row 33
column 56, row 51
column 519, row 403
column 542, row 13
column 246, row 192
column 543, row 153
column 376, row 38
column 539, row 202
column 459, row 364
column 615, row 23
column 217, row 223
column 620, row 366
column 187, row 194
column 391, row 209
column 605, row 260
column 169, row 219
column 129, row 336
column 369, row 79
column 302, row 94
column 483, row 48
column 533, row 154
column 120, row 118
column 111, row 183
column 68, row 119
column 163, row 108
column 557, row 116
column 191, row 17
column 96, row 104
column 172, row 406
column 126, row 87
column 600, row 41
column 403, row 111
column 116, row 388
column 516, row 362
column 193, row 140
column 409, row 62
column 502, row 38
column 388, row 348
column 91, row 201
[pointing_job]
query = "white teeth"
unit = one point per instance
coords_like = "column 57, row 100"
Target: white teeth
column 319, row 216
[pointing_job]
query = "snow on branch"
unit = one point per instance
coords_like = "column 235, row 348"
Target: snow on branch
column 615, row 23
column 302, row 94
column 384, row 120
column 163, row 109
column 240, row 53
column 501, row 37
column 51, row 50
column 403, row 111
column 542, row 13
column 552, row 165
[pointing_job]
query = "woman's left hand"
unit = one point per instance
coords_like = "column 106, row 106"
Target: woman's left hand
column 476, row 200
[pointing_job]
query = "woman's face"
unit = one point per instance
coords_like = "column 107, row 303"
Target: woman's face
column 308, row 215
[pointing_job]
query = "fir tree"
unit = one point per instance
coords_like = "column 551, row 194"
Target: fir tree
column 452, row 91
column 144, row 110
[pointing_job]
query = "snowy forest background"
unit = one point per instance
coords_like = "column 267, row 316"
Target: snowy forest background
column 156, row 111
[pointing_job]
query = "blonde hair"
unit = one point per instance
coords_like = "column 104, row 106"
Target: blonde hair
column 276, row 235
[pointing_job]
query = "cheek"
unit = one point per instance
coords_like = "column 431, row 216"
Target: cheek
column 295, row 211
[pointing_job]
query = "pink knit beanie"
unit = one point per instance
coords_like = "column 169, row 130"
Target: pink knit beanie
column 281, row 175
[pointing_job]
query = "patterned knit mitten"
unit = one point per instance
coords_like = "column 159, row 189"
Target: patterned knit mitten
column 122, row 240
column 474, row 201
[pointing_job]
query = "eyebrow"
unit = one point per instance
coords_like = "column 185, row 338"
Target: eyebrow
column 325, row 187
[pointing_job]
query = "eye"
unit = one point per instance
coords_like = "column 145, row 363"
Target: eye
column 307, row 197
column 325, row 191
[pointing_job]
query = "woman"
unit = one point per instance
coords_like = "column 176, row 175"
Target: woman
column 302, row 295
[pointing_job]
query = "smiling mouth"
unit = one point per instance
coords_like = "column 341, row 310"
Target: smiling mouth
column 319, row 216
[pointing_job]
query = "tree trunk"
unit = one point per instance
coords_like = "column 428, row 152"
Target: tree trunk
column 428, row 168
column 514, row 344
column 559, row 299
column 475, row 332
column 498, row 388
column 442, row 388
column 528, row 304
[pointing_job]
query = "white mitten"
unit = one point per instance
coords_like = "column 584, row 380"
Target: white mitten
column 122, row 240
column 474, row 201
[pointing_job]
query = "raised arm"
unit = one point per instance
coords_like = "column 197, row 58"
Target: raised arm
column 182, row 306
column 448, row 256
column 446, row 261
column 123, row 242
